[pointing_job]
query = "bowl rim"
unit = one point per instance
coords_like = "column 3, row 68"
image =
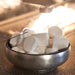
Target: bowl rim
column 8, row 45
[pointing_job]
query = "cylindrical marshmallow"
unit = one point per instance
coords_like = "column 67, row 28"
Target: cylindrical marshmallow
column 55, row 31
column 30, row 43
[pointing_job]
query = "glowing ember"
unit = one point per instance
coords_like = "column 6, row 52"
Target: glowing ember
column 60, row 16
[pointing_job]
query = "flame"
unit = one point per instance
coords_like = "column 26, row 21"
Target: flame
column 60, row 16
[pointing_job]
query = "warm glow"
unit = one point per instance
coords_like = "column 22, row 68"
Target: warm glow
column 9, row 3
column 60, row 16
column 13, row 32
column 12, row 3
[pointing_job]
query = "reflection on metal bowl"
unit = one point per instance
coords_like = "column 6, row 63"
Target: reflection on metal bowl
column 39, row 61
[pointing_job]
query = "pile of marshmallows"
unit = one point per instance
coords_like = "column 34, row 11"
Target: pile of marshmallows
column 40, row 43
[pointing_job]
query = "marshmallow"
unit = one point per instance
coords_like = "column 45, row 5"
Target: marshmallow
column 59, row 42
column 30, row 43
column 33, row 52
column 51, row 50
column 15, row 39
column 18, row 49
column 27, row 32
column 42, row 39
column 55, row 31
column 40, row 49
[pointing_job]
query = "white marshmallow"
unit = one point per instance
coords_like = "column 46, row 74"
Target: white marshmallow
column 33, row 52
column 20, row 40
column 14, row 39
column 40, row 49
column 59, row 42
column 42, row 39
column 55, row 31
column 51, row 50
column 18, row 49
column 30, row 43
column 27, row 32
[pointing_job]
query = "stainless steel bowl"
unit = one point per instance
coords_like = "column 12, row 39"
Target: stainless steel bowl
column 39, row 61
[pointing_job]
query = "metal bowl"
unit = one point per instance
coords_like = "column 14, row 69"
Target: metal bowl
column 37, row 62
